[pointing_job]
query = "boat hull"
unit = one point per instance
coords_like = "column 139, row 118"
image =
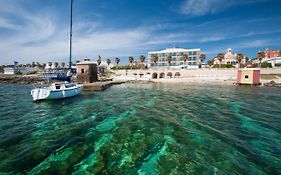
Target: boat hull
column 47, row 94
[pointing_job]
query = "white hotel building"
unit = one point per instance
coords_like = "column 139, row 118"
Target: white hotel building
column 177, row 58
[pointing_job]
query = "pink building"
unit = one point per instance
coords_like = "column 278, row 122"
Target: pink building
column 272, row 53
column 248, row 76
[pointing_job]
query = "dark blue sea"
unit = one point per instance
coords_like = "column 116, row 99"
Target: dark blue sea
column 143, row 128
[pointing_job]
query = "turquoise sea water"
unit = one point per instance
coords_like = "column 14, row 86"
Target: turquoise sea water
column 143, row 129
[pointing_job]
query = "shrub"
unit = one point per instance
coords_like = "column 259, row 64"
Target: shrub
column 266, row 65
column 278, row 65
column 223, row 66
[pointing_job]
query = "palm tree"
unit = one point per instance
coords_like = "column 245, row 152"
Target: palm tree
column 33, row 64
column 169, row 59
column 56, row 64
column 142, row 59
column 50, row 64
column 202, row 57
column 131, row 60
column 117, row 60
column 38, row 64
column 44, row 65
column 261, row 55
column 239, row 58
column 220, row 57
column 185, row 58
column 99, row 60
column 108, row 61
column 154, row 58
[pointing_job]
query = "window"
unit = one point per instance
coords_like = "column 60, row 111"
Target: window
column 246, row 76
column 82, row 71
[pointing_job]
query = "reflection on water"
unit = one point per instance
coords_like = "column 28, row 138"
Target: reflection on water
column 143, row 129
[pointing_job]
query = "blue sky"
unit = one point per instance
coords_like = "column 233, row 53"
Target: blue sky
column 38, row 30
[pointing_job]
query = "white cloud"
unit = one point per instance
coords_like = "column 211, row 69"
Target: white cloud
column 204, row 7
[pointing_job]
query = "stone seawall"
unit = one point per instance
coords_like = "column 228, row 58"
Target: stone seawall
column 21, row 79
column 203, row 73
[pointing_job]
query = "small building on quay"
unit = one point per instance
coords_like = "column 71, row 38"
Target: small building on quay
column 86, row 71
column 248, row 76
column 177, row 55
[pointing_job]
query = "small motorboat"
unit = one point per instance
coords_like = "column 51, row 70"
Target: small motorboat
column 56, row 91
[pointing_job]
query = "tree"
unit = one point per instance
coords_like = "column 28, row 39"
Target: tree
column 210, row 62
column 220, row 57
column 154, row 58
column 108, row 61
column 38, row 65
column 63, row 64
column 239, row 58
column 33, row 64
column 99, row 60
column 117, row 61
column 131, row 60
column 56, row 64
column 169, row 59
column 44, row 65
column 142, row 59
column 185, row 58
column 202, row 57
column 260, row 55
column 50, row 64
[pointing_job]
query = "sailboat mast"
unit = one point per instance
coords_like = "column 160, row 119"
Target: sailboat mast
column 70, row 36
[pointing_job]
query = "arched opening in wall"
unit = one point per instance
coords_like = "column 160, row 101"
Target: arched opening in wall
column 169, row 74
column 135, row 74
column 177, row 74
column 154, row 75
column 141, row 74
column 162, row 75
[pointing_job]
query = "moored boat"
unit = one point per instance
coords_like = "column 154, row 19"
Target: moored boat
column 59, row 90
column 56, row 91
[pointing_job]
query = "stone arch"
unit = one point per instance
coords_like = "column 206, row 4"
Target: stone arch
column 170, row 74
column 154, row 75
column 162, row 75
column 177, row 74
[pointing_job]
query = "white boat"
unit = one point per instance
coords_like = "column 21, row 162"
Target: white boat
column 56, row 91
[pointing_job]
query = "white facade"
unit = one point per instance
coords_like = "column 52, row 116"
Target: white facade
column 229, row 58
column 272, row 61
column 9, row 70
column 177, row 57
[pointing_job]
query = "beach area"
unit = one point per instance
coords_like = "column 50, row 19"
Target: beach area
column 200, row 76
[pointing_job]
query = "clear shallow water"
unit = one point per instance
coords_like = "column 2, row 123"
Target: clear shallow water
column 143, row 129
